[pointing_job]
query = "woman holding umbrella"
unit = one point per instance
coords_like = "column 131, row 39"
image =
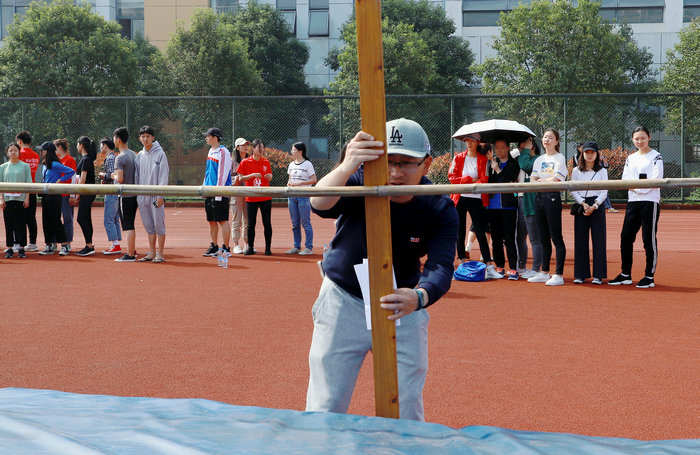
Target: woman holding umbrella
column 470, row 167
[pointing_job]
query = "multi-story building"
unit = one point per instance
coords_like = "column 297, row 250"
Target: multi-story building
column 655, row 23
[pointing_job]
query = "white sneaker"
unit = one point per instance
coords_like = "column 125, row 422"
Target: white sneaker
column 492, row 274
column 15, row 248
column 31, row 247
column 528, row 274
column 541, row 277
column 237, row 250
column 306, row 252
column 556, row 280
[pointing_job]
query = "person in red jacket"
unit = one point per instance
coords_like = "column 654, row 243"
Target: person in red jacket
column 29, row 156
column 469, row 166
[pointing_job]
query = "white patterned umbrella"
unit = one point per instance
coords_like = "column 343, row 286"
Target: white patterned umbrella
column 494, row 129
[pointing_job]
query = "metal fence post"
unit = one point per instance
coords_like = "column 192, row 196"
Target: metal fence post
column 233, row 121
column 452, row 125
column 340, row 126
column 566, row 134
column 127, row 113
column 24, row 111
column 683, row 148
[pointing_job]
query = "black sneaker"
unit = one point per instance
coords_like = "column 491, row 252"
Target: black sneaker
column 48, row 249
column 646, row 282
column 125, row 258
column 21, row 254
column 9, row 253
column 249, row 251
column 268, row 252
column 620, row 279
column 211, row 252
column 227, row 250
column 87, row 251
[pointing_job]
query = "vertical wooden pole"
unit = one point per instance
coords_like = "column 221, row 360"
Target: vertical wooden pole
column 373, row 112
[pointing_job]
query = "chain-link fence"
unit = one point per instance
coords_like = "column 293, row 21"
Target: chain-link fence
column 325, row 123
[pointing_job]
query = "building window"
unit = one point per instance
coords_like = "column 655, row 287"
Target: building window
column 289, row 12
column 477, row 13
column 225, row 6
column 8, row 9
column 130, row 17
column 691, row 10
column 318, row 18
column 633, row 11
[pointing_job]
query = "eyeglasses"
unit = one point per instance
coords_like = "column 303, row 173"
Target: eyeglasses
column 406, row 166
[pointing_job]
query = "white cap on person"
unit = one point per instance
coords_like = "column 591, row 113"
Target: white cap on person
column 406, row 137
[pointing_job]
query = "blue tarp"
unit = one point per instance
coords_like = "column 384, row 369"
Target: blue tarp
column 50, row 422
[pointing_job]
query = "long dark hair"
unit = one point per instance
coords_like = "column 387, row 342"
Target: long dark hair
column 301, row 147
column 556, row 134
column 89, row 145
column 50, row 158
column 237, row 155
column 596, row 165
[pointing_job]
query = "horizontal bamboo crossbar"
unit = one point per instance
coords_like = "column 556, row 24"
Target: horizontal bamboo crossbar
column 388, row 190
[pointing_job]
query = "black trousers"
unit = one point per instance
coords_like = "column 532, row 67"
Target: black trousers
column 51, row 219
column 548, row 219
column 477, row 212
column 266, row 214
column 502, row 223
column 15, row 230
column 644, row 215
column 85, row 215
column 595, row 225
column 30, row 218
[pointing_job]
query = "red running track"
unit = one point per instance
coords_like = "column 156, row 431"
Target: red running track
column 593, row 360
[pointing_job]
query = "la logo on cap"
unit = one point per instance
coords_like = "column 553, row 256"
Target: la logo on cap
column 396, row 136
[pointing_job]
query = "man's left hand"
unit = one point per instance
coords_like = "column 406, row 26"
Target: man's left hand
column 404, row 301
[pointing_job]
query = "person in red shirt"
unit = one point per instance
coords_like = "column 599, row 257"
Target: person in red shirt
column 67, row 200
column 256, row 171
column 29, row 156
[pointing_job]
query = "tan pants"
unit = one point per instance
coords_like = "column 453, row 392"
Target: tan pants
column 239, row 221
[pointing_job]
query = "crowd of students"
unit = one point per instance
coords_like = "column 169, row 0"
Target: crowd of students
column 121, row 165
column 511, row 219
column 507, row 219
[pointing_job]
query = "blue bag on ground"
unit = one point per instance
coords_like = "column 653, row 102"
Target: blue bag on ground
column 470, row 271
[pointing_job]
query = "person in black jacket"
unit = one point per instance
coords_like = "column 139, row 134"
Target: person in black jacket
column 502, row 211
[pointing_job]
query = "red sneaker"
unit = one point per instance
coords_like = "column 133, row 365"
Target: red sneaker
column 116, row 249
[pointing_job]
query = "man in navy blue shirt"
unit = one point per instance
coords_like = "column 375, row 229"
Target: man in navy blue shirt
column 421, row 225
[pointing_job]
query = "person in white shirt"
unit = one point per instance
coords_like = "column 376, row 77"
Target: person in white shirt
column 591, row 218
column 642, row 209
column 550, row 167
column 301, row 173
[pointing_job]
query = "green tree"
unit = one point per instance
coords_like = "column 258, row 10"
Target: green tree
column 554, row 47
column 421, row 56
column 279, row 55
column 210, row 58
column 421, row 52
column 680, row 75
column 60, row 49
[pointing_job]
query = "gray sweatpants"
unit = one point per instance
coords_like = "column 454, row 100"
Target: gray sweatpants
column 340, row 343
column 152, row 217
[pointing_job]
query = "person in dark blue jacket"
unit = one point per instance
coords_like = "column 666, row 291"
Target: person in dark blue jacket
column 502, row 211
column 420, row 226
column 54, row 172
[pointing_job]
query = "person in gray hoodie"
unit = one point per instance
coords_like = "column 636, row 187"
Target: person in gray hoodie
column 152, row 169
